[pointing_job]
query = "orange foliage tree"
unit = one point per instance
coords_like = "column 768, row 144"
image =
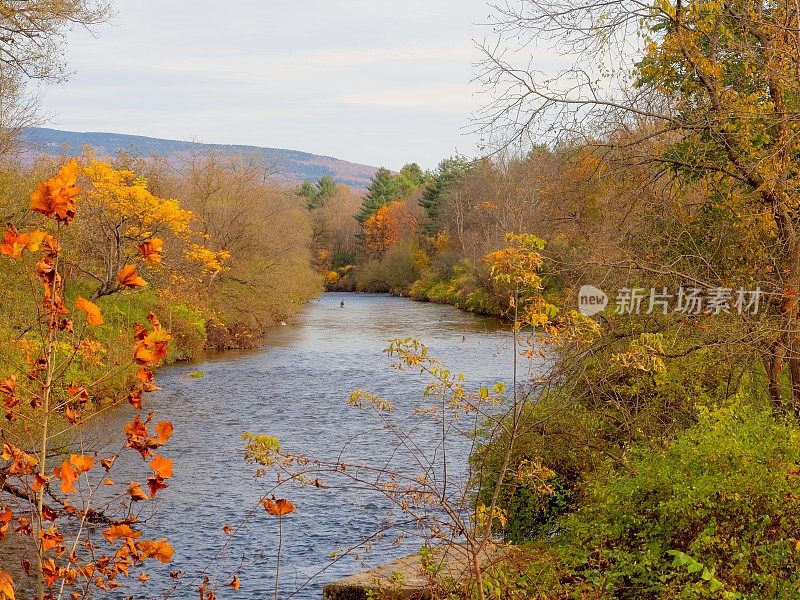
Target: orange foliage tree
column 388, row 225
column 56, row 487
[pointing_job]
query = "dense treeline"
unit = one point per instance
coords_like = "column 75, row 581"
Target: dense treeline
column 221, row 282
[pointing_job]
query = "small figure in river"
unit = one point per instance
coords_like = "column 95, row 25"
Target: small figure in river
column 342, row 304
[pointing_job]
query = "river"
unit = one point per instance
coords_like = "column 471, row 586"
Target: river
column 295, row 388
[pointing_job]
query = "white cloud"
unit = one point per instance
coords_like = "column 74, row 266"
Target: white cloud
column 372, row 81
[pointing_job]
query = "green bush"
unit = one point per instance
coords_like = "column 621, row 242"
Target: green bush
column 713, row 515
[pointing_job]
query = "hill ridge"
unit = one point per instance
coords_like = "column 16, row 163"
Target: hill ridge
column 294, row 166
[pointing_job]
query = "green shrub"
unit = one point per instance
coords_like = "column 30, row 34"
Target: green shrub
column 713, row 515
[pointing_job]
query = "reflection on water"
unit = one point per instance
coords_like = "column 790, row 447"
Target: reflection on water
column 295, row 388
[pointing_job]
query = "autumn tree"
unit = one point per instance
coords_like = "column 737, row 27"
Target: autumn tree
column 709, row 91
column 32, row 48
column 63, row 488
column 267, row 276
column 335, row 228
column 382, row 189
column 125, row 222
column 387, row 187
column 388, row 226
column 34, row 32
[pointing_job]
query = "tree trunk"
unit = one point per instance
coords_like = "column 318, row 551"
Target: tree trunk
column 773, row 365
column 791, row 290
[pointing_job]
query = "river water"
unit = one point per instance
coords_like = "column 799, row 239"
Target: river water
column 295, row 388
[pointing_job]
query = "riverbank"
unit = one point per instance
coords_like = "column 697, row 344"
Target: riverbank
column 465, row 285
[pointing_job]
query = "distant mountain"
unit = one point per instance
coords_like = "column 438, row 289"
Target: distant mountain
column 292, row 166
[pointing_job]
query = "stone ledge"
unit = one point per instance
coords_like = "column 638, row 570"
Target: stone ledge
column 405, row 578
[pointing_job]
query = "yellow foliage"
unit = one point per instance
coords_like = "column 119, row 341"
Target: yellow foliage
column 91, row 352
column 420, row 259
column 211, row 260
column 441, row 241
column 485, row 515
column 124, row 197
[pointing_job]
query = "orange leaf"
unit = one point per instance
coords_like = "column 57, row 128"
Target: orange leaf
column 92, row 311
column 82, row 463
column 39, row 482
column 21, row 462
column 78, row 393
column 5, row 521
column 151, row 250
column 278, row 508
column 49, row 514
column 145, row 375
column 6, row 586
column 159, row 550
column 151, row 347
column 73, row 416
column 50, row 571
column 121, row 532
column 128, row 277
column 51, row 538
column 156, row 483
column 56, row 197
column 235, row 583
column 8, row 385
column 164, row 431
column 135, row 399
column 136, row 492
column 13, row 243
column 50, row 245
column 23, row 526
column 68, row 476
column 162, row 467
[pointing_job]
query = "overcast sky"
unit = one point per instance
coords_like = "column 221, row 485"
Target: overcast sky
column 373, row 81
